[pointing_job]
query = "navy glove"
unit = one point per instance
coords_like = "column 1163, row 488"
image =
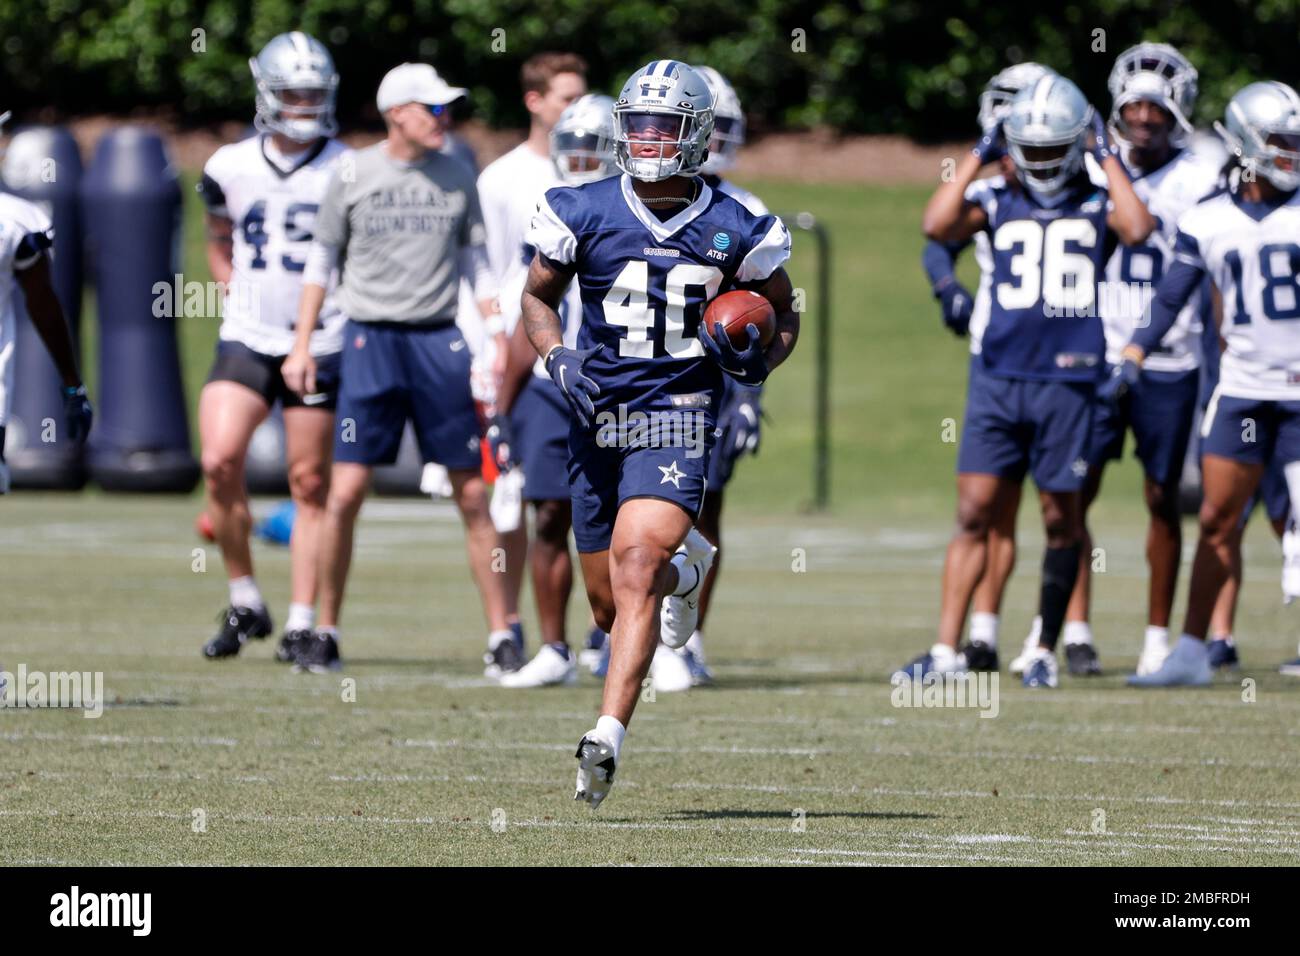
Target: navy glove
column 565, row 367
column 77, row 413
column 1123, row 378
column 1101, row 147
column 748, row 366
column 992, row 145
column 957, row 307
column 501, row 441
column 744, row 431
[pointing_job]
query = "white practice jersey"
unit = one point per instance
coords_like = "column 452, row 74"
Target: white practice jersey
column 25, row 234
column 274, row 214
column 1133, row 272
column 1252, row 254
column 508, row 191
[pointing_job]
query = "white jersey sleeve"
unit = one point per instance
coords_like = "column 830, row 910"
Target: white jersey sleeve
column 25, row 236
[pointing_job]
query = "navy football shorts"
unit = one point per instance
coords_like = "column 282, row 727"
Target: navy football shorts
column 1251, row 430
column 1159, row 410
column 393, row 371
column 1019, row 426
column 540, row 422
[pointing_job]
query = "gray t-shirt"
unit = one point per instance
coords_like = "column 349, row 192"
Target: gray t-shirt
column 400, row 230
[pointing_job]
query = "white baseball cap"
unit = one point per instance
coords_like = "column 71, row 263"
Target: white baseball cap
column 415, row 83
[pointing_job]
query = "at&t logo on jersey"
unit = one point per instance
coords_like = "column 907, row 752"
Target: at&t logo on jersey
column 721, row 243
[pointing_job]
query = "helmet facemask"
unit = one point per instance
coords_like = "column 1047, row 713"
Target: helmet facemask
column 678, row 139
column 582, row 156
column 1265, row 136
column 1159, row 74
column 296, row 86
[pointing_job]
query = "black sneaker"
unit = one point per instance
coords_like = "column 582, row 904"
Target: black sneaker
column 505, row 659
column 319, row 654
column 980, row 657
column 1082, row 660
column 291, row 645
column 238, row 624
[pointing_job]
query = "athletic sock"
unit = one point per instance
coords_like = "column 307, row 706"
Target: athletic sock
column 611, row 730
column 244, row 593
column 328, row 630
column 687, row 580
column 302, row 617
column 1155, row 636
column 560, row 648
column 984, row 628
column 497, row 638
column 1077, row 632
column 1060, row 570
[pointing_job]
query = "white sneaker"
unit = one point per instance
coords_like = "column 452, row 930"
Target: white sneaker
column 693, row 654
column 1030, row 648
column 680, row 613
column 669, row 671
column 1290, row 565
column 1154, row 652
column 596, row 766
column 1041, row 670
column 548, row 669
column 1188, row 664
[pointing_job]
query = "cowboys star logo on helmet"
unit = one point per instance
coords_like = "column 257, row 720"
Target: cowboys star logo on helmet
column 1044, row 128
column 299, row 63
column 665, row 107
column 1259, row 112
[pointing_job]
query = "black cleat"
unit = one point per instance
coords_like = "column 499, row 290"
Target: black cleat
column 238, row 624
column 318, row 654
column 505, row 659
column 291, row 645
column 980, row 657
column 1082, row 660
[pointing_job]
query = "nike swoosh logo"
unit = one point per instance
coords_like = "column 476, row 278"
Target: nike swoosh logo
column 315, row 398
column 457, row 345
column 564, row 388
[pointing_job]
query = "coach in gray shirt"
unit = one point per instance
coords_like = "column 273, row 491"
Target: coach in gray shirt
column 401, row 222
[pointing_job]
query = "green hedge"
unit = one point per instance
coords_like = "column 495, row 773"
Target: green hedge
column 899, row 66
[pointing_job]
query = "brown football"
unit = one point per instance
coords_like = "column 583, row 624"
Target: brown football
column 738, row 309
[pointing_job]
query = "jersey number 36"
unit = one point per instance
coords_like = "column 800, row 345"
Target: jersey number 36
column 1042, row 265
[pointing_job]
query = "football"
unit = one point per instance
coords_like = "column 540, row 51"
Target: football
column 738, row 309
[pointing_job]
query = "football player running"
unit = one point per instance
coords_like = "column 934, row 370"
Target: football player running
column 965, row 314
column 262, row 194
column 1245, row 239
column 532, row 424
column 1030, row 409
column 649, row 249
column 1153, row 93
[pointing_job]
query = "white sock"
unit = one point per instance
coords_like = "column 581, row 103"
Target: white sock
column 1156, row 637
column 1226, row 638
column 943, row 654
column 496, row 638
column 244, row 593
column 984, row 628
column 1077, row 632
column 687, row 579
column 302, row 617
column 1036, row 629
column 328, row 630
column 611, row 730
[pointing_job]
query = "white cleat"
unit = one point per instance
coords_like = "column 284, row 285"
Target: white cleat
column 1290, row 565
column 670, row 671
column 1153, row 655
column 1188, row 665
column 549, row 668
column 680, row 613
column 1030, row 648
column 596, row 767
column 1041, row 671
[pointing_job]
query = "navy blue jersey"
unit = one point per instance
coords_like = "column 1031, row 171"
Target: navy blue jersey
column 644, row 282
column 1043, row 320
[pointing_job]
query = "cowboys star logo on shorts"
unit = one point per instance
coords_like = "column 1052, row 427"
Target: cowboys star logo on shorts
column 671, row 473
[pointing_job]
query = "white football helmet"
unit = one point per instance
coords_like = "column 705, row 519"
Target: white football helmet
column 582, row 142
column 728, row 123
column 1159, row 74
column 299, row 62
column 663, row 93
column 1002, row 89
column 1045, row 128
column 1257, row 112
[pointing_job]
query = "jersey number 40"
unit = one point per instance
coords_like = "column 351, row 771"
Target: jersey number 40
column 627, row 305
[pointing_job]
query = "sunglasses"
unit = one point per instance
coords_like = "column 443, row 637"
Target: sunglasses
column 435, row 109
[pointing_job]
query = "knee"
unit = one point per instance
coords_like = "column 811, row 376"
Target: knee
column 1162, row 503
column 637, row 571
column 1217, row 522
column 221, row 471
column 974, row 519
column 472, row 500
column 307, row 485
column 344, row 501
column 551, row 524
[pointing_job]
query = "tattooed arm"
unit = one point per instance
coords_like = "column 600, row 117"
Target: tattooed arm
column 543, row 292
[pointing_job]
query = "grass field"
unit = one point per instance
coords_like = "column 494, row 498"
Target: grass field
column 798, row 756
